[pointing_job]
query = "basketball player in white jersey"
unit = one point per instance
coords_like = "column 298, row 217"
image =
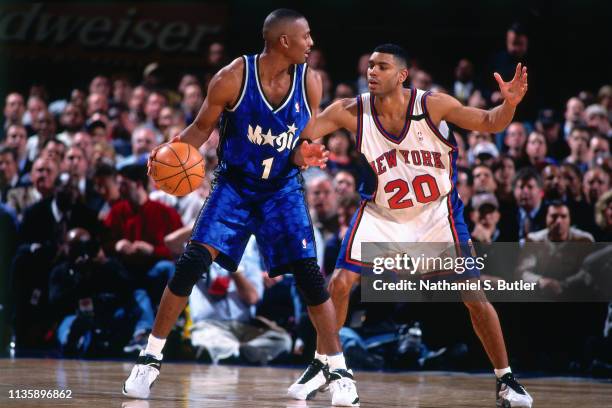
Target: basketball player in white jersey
column 404, row 136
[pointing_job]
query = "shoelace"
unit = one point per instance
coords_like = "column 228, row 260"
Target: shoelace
column 510, row 382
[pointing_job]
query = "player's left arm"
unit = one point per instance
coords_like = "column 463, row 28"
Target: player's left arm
column 314, row 154
column 445, row 107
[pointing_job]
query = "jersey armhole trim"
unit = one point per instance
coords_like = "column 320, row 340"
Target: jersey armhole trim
column 432, row 126
column 243, row 85
column 359, row 134
column 305, row 90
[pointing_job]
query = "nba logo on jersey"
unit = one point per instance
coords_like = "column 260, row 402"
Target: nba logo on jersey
column 297, row 107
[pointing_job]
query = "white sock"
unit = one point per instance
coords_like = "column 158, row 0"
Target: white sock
column 499, row 373
column 155, row 347
column 336, row 362
column 321, row 357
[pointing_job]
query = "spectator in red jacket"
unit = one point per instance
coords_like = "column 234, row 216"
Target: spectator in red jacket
column 137, row 229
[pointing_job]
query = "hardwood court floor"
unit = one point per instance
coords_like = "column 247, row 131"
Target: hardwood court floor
column 98, row 384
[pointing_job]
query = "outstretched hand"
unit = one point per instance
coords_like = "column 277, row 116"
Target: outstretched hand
column 314, row 154
column 513, row 91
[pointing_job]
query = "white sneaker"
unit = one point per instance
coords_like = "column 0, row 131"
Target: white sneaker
column 142, row 377
column 511, row 394
column 342, row 388
column 312, row 380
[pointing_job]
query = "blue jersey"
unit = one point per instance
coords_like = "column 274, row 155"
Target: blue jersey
column 256, row 139
column 257, row 190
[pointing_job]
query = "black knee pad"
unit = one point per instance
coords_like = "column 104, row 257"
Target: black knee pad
column 310, row 282
column 190, row 267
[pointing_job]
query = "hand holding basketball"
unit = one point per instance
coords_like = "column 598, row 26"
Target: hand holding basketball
column 176, row 167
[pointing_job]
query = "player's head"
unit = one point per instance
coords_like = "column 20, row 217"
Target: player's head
column 387, row 69
column 288, row 32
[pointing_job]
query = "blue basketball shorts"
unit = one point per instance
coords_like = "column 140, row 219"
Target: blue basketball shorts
column 279, row 220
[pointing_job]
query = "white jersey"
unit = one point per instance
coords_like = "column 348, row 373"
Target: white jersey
column 414, row 201
column 413, row 169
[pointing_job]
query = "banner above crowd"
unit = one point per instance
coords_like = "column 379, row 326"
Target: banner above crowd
column 116, row 34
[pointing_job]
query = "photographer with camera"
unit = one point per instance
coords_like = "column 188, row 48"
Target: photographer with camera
column 94, row 299
column 41, row 237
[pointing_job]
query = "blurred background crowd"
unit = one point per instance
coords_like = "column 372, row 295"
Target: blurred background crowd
column 89, row 243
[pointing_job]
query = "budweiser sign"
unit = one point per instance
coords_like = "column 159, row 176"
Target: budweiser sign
column 38, row 29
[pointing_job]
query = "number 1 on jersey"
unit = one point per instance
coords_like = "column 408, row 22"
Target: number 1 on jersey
column 267, row 164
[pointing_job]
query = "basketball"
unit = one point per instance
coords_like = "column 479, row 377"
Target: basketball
column 177, row 168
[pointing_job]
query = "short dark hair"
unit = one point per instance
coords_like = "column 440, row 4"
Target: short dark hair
column 53, row 140
column 482, row 165
column 557, row 204
column 17, row 125
column 601, row 136
column 468, row 172
column 278, row 16
column 104, row 170
column 135, row 172
column 528, row 173
column 518, row 28
column 158, row 91
column 573, row 168
column 582, row 128
column 9, row 150
column 74, row 105
column 91, row 126
column 498, row 163
column 398, row 52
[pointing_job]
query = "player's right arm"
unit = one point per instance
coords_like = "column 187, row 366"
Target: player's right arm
column 223, row 91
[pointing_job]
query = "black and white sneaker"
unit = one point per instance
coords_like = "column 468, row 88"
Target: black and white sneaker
column 312, row 380
column 142, row 377
column 342, row 388
column 510, row 394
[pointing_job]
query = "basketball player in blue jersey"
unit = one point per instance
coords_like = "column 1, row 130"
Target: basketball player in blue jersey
column 403, row 135
column 264, row 102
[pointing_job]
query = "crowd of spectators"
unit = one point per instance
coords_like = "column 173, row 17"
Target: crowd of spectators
column 96, row 242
